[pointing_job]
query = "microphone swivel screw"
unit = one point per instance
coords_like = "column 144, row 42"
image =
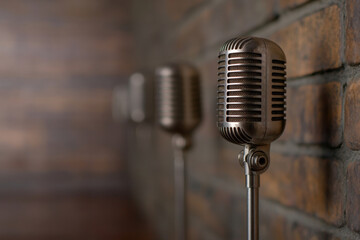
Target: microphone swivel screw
column 258, row 161
column 254, row 159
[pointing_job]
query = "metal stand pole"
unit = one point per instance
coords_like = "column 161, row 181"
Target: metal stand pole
column 180, row 187
column 253, row 206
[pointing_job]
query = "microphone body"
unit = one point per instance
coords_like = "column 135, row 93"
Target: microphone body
column 140, row 97
column 251, row 108
column 179, row 113
column 251, row 91
column 178, row 98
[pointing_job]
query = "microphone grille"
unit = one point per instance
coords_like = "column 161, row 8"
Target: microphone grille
column 178, row 93
column 251, row 90
column 239, row 87
column 278, row 79
column 137, row 97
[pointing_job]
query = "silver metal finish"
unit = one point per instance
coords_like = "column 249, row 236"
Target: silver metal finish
column 178, row 93
column 253, row 212
column 251, row 108
column 251, row 91
column 180, row 144
column 179, row 112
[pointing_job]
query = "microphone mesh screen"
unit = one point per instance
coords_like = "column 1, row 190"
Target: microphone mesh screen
column 239, row 87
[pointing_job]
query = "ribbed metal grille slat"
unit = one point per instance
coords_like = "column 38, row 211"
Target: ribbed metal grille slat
column 243, row 87
column 278, row 90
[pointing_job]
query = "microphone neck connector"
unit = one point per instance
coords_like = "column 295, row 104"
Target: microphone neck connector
column 255, row 159
column 181, row 142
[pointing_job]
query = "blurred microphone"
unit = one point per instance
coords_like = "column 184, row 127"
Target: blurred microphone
column 179, row 112
column 178, row 92
column 140, row 98
column 140, row 140
column 251, row 107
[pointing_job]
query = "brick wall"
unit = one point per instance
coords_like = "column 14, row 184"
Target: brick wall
column 60, row 150
column 59, row 62
column 312, row 188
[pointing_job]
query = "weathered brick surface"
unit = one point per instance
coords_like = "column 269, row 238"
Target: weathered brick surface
column 314, row 114
column 353, row 196
column 216, row 213
column 175, row 10
column 310, row 184
column 312, row 44
column 352, row 32
column 291, row 3
column 223, row 17
column 227, row 166
column 71, row 48
column 277, row 227
column 352, row 117
column 213, row 206
column 59, row 64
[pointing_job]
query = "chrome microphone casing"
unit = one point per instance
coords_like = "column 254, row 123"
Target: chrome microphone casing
column 251, row 91
column 178, row 98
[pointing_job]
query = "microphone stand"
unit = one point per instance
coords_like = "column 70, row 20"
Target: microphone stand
column 180, row 143
column 255, row 160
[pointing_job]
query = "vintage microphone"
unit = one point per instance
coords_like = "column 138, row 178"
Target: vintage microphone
column 140, row 133
column 140, row 97
column 179, row 112
column 251, row 108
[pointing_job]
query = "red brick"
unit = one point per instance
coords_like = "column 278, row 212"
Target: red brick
column 353, row 196
column 57, row 103
column 227, row 166
column 314, row 114
column 313, row 43
column 291, row 3
column 352, row 31
column 44, row 48
column 55, row 64
column 352, row 118
column 176, row 10
column 76, row 215
column 213, row 206
column 221, row 22
column 310, row 184
column 275, row 226
column 224, row 21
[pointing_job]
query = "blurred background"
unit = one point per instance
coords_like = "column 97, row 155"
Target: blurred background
column 73, row 165
column 63, row 173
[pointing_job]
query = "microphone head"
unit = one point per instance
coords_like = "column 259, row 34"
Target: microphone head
column 178, row 98
column 251, row 91
column 140, row 96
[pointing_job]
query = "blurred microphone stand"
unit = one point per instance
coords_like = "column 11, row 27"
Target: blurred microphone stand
column 180, row 144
